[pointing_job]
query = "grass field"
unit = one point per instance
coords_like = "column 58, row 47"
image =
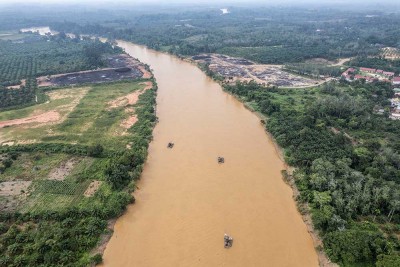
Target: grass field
column 53, row 195
column 32, row 166
column 80, row 115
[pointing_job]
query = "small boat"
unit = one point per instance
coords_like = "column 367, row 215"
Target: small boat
column 228, row 241
column 170, row 145
column 221, row 160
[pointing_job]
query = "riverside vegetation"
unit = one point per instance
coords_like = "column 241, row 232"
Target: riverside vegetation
column 347, row 163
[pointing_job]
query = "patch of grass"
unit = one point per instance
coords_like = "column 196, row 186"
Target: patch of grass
column 33, row 166
column 90, row 122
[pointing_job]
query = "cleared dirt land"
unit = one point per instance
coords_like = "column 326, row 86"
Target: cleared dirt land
column 76, row 115
column 238, row 69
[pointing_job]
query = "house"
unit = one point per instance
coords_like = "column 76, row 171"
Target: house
column 368, row 70
column 348, row 71
column 379, row 71
column 351, row 70
column 396, row 80
column 370, row 79
column 388, row 73
column 347, row 77
column 358, row 77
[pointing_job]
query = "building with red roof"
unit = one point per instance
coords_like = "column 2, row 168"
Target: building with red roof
column 396, row 80
column 358, row 77
column 368, row 70
column 388, row 73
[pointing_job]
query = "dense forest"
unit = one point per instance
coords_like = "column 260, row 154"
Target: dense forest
column 275, row 35
column 266, row 35
column 347, row 161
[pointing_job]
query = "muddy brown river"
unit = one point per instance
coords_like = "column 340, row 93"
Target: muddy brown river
column 186, row 201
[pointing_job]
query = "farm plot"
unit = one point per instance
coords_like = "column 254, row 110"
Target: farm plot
column 53, row 195
column 40, row 181
column 33, row 166
column 390, row 53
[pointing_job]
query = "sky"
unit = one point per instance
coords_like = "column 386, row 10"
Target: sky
column 379, row 4
column 200, row 1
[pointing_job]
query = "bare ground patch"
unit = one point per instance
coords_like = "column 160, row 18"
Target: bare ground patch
column 238, row 69
column 50, row 116
column 127, row 101
column 146, row 73
column 12, row 193
column 23, row 83
column 42, row 116
column 61, row 172
column 14, row 188
column 129, row 122
column 92, row 188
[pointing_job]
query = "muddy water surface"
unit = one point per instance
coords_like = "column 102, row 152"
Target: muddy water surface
column 187, row 201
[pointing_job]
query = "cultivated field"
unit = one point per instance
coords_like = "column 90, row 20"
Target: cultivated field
column 390, row 53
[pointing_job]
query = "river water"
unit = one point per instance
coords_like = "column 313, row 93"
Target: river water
column 186, row 201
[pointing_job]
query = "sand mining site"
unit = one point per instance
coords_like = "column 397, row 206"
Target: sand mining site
column 119, row 67
column 239, row 69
